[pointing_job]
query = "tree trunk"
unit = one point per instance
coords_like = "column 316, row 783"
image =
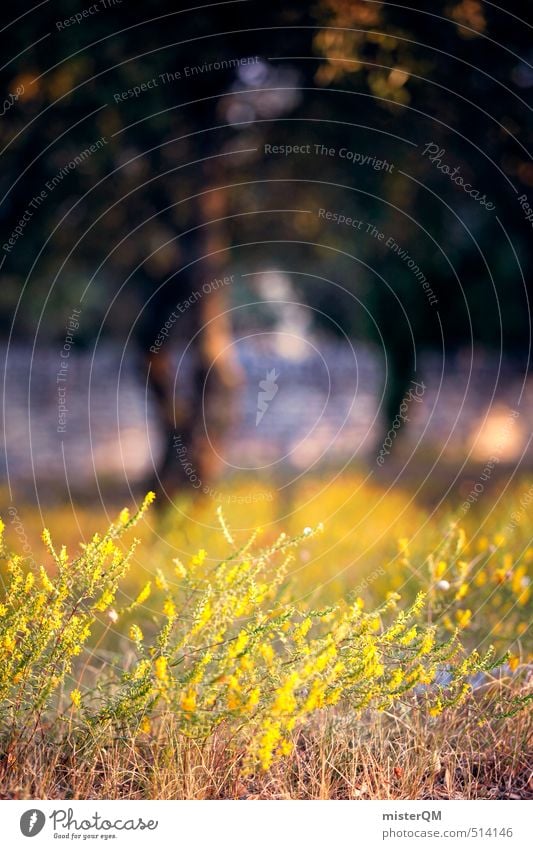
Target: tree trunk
column 195, row 419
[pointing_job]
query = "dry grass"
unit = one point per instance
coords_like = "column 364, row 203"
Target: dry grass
column 402, row 756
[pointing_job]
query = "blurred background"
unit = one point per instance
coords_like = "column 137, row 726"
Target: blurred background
column 248, row 249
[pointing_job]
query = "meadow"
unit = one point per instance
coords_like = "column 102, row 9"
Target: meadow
column 338, row 640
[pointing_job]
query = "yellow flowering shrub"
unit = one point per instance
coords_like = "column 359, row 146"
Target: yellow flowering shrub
column 223, row 644
column 46, row 620
column 483, row 588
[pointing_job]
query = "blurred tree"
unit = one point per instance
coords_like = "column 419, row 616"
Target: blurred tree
column 148, row 217
column 138, row 226
column 457, row 77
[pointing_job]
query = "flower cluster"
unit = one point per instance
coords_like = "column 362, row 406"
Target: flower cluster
column 224, row 644
column 46, row 619
column 482, row 588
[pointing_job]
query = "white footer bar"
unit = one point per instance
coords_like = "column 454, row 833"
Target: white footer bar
column 267, row 824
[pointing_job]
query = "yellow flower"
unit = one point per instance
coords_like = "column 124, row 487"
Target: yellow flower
column 427, row 676
column 513, row 662
column 436, row 709
column 519, row 579
column 524, row 596
column 45, row 580
column 179, row 568
column 481, row 578
column 286, row 747
column 461, row 592
column 409, row 636
column 136, row 634
column 253, row 698
column 234, row 701
column 239, row 645
column 9, row 643
column 403, row 545
column 315, row 699
column 161, row 581
column 75, row 698
column 188, row 701
column 203, row 617
column 463, row 618
column 301, row 630
column 141, row 670
column 161, row 669
column 145, row 727
column 108, row 548
column 105, row 600
column 269, row 739
column 149, row 498
column 246, row 663
column 285, row 701
column 440, row 568
column 428, row 641
column 144, row 593
column 124, row 516
column 325, row 656
column 169, row 608
column 462, row 567
column 233, row 682
column 199, row 558
column 267, row 652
